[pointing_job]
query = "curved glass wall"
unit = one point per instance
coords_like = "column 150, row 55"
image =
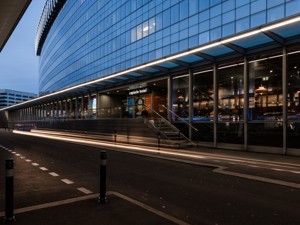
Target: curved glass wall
column 92, row 39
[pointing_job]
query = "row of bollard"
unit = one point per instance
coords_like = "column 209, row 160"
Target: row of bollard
column 9, row 186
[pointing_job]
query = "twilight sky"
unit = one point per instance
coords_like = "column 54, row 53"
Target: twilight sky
column 18, row 63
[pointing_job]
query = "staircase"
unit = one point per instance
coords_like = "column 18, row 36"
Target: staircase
column 167, row 132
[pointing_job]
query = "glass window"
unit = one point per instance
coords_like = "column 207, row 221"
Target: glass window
column 228, row 5
column 265, row 90
column 258, row 19
column 242, row 24
column 152, row 25
column 166, row 18
column 228, row 17
column 215, row 22
column 203, row 93
column 215, row 33
column 181, row 96
column 204, row 38
column 240, row 3
column 242, row 11
column 215, row 2
column 204, row 26
column 145, row 29
column 275, row 13
column 292, row 7
column 139, row 32
column 293, row 125
column 193, row 7
column 271, row 3
column 204, row 15
column 231, row 93
column 228, row 29
column 215, row 11
column 193, row 41
column 258, row 5
column 203, row 5
column 174, row 14
column 184, row 9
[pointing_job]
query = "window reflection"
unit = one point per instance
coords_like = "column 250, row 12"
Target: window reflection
column 203, row 96
column 231, row 93
column 180, row 96
column 265, row 90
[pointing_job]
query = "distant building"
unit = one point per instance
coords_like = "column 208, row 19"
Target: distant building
column 11, row 97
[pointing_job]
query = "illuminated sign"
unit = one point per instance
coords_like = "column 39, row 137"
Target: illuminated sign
column 139, row 91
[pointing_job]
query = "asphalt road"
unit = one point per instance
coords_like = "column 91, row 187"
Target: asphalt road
column 192, row 193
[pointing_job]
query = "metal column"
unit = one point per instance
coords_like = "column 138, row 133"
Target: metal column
column 216, row 99
column 284, row 97
column 191, row 100
column 246, row 103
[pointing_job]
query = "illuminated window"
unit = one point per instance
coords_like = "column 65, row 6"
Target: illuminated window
column 143, row 30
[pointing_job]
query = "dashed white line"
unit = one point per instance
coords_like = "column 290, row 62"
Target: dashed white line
column 35, row 164
column 43, row 168
column 18, row 155
column 54, row 174
column 22, row 157
column 67, row 181
column 84, row 190
column 28, row 160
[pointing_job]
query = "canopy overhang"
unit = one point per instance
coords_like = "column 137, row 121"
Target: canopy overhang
column 268, row 37
column 11, row 11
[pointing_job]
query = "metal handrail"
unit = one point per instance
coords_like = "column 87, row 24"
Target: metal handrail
column 180, row 118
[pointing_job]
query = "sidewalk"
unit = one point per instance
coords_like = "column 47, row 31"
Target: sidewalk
column 119, row 210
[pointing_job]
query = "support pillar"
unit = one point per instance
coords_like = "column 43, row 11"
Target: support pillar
column 284, row 98
column 216, row 99
column 246, row 102
column 191, row 101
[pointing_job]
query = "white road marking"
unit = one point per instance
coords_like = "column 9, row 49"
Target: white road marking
column 22, row 157
column 13, row 152
column 67, row 181
column 84, row 190
column 28, row 160
column 35, row 164
column 43, row 168
column 86, row 197
column 223, row 170
column 17, row 154
column 54, row 174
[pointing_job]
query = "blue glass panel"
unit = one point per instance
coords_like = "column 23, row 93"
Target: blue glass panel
column 276, row 13
column 204, row 38
column 271, row 3
column 228, row 16
column 184, row 9
column 228, row 29
column 204, row 26
column 193, row 41
column 190, row 58
column 215, row 22
column 242, row 11
column 258, row 5
column 242, row 24
column 292, row 7
column 193, row 7
column 203, row 5
column 258, row 19
column 167, row 65
column 204, row 15
column 240, row 3
column 218, row 50
column 253, row 41
column 288, row 31
column 228, row 5
column 215, row 33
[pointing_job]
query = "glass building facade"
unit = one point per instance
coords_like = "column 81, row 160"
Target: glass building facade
column 224, row 72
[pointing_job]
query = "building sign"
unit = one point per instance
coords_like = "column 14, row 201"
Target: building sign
column 139, row 91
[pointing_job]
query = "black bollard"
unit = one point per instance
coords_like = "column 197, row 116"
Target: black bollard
column 9, row 191
column 102, row 197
